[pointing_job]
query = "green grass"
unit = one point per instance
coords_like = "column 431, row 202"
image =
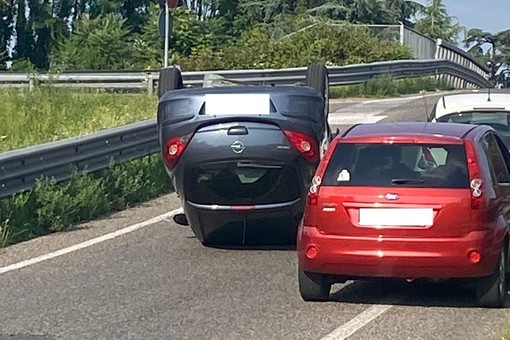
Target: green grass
column 505, row 333
column 386, row 86
column 49, row 114
column 51, row 207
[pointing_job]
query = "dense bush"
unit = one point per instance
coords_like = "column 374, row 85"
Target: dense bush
column 52, row 207
column 333, row 45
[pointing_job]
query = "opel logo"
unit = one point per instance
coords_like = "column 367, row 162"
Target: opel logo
column 237, row 146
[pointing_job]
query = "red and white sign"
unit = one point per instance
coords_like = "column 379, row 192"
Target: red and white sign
column 172, row 3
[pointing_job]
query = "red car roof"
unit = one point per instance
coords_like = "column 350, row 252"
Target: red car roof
column 454, row 130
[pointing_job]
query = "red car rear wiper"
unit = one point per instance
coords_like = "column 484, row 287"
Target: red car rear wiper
column 407, row 181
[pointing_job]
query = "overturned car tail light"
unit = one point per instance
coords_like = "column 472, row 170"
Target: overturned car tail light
column 174, row 149
column 304, row 144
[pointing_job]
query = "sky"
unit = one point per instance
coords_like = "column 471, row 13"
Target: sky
column 489, row 15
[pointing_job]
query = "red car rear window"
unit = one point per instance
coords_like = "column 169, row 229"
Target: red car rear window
column 398, row 164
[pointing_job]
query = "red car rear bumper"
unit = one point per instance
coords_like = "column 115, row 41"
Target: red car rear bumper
column 432, row 258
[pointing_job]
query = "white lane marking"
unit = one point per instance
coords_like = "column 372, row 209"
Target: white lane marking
column 358, row 322
column 364, row 101
column 398, row 99
column 337, row 118
column 88, row 243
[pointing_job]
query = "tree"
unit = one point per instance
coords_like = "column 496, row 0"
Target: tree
column 100, row 43
column 407, row 10
column 6, row 12
column 437, row 23
column 112, row 34
column 368, row 11
column 489, row 47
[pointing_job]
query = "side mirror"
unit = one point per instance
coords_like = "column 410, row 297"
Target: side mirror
column 336, row 133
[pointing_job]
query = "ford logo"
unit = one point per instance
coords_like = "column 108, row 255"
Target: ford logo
column 391, row 197
column 237, row 146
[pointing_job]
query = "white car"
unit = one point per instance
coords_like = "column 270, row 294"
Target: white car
column 478, row 108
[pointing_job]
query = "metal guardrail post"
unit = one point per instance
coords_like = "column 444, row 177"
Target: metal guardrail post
column 31, row 81
column 150, row 84
column 402, row 32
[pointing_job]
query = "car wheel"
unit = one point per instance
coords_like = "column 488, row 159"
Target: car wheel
column 169, row 79
column 491, row 291
column 318, row 78
column 313, row 287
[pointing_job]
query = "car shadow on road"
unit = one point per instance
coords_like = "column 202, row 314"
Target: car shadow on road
column 419, row 293
column 248, row 247
column 269, row 243
column 261, row 235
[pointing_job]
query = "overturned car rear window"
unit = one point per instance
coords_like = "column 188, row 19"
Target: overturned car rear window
column 234, row 183
column 398, row 164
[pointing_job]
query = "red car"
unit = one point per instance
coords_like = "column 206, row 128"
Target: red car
column 409, row 200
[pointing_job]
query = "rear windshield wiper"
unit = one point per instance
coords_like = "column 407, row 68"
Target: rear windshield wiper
column 407, row 181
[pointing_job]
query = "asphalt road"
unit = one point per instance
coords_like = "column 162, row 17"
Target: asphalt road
column 153, row 280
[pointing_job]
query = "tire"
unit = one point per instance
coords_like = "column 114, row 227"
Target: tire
column 313, row 287
column 317, row 77
column 169, row 79
column 491, row 291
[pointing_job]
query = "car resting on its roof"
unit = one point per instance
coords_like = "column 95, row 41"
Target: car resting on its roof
column 241, row 157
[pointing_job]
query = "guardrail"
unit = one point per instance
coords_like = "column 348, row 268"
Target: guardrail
column 19, row 169
column 448, row 51
column 460, row 75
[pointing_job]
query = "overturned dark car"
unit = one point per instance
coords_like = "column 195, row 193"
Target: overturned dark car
column 241, row 158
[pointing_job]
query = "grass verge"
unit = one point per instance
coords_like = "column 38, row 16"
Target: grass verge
column 47, row 114
column 52, row 207
column 386, row 86
column 505, row 333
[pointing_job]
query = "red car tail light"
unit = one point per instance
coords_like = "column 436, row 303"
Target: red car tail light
column 314, row 189
column 478, row 200
column 310, row 215
column 311, row 199
column 174, row 149
column 304, row 144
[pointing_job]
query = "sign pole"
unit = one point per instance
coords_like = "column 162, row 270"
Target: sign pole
column 167, row 29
